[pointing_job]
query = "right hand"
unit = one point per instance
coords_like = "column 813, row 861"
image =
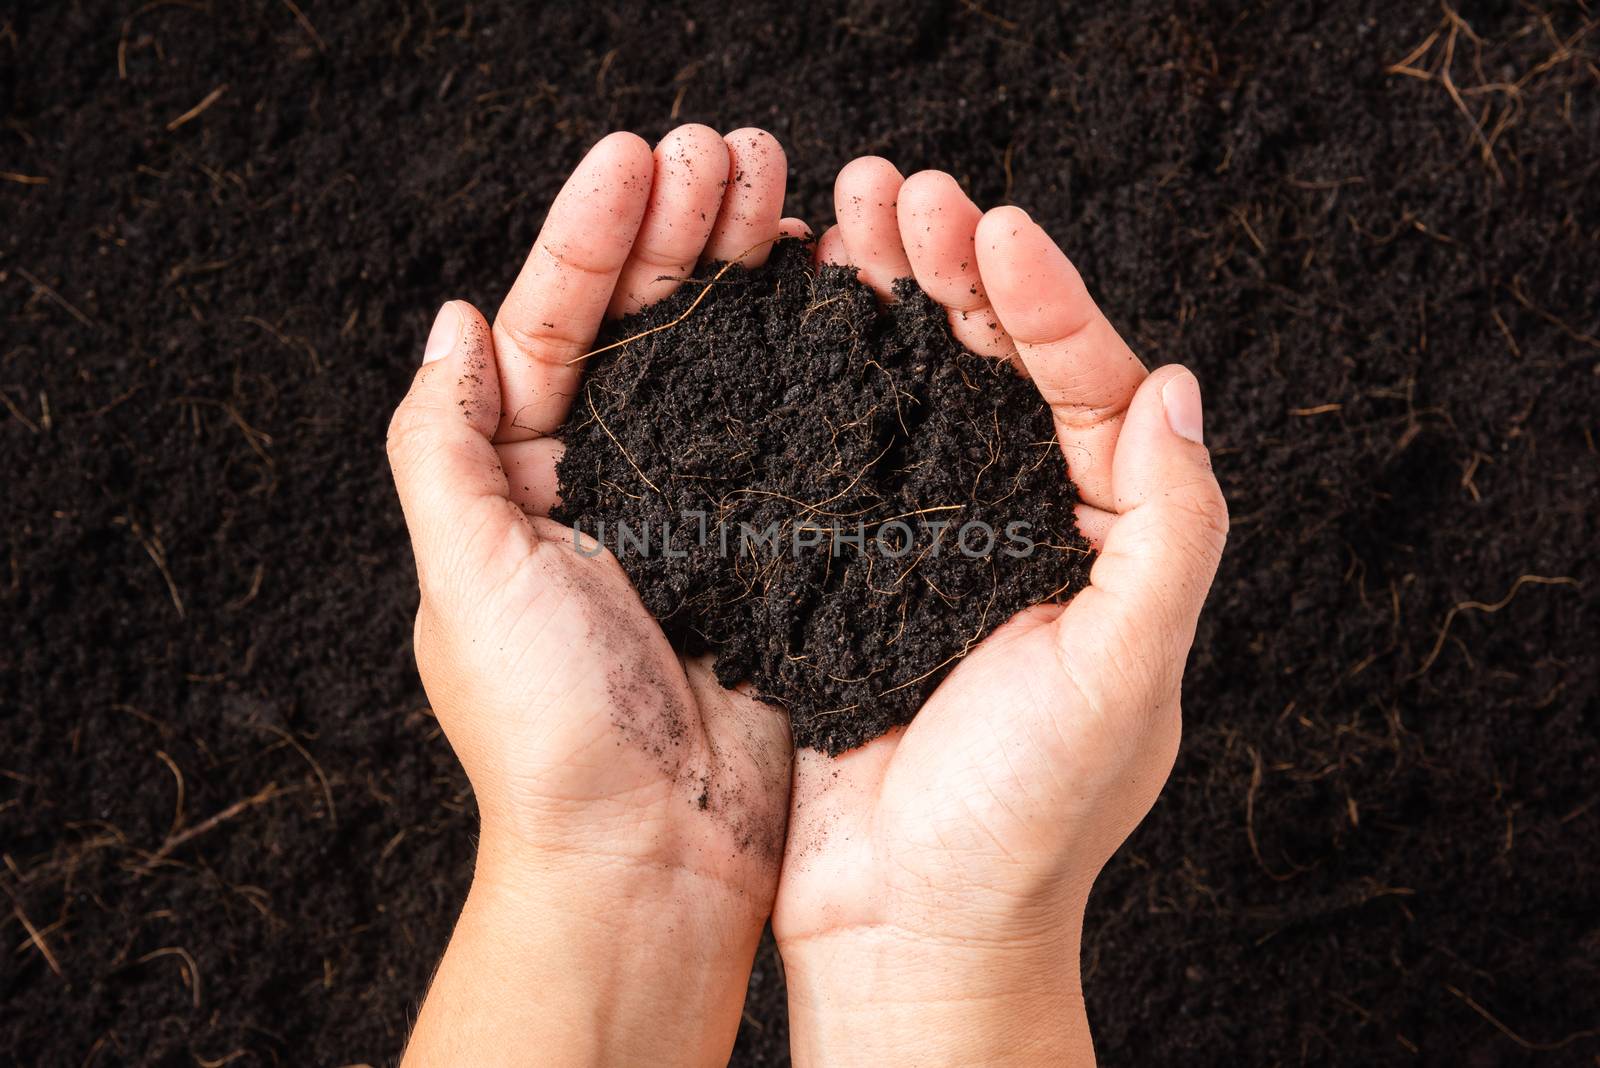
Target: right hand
column 932, row 895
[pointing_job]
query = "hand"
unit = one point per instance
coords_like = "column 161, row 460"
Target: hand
column 632, row 810
column 933, row 889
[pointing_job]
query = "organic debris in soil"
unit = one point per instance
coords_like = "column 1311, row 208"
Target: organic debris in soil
column 834, row 496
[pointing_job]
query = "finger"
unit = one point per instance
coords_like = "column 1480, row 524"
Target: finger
column 938, row 226
column 451, row 485
column 1148, row 584
column 789, row 226
column 1093, row 523
column 555, row 306
column 753, row 200
column 1083, row 368
column 530, row 468
column 691, row 170
column 864, row 198
column 830, row 248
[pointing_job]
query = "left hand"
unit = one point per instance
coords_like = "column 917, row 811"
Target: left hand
column 632, row 810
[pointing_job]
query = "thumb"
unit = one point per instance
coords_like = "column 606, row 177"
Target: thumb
column 445, row 466
column 1161, row 552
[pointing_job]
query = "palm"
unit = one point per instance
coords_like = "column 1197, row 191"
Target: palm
column 584, row 708
column 575, row 720
column 966, row 811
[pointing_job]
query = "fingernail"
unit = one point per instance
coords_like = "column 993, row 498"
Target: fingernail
column 442, row 338
column 1181, row 398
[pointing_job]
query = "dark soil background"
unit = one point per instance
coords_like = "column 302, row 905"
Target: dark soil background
column 224, row 807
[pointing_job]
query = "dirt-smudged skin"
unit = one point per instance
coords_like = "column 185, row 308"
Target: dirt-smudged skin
column 478, row 344
column 649, row 708
column 788, row 399
column 665, row 709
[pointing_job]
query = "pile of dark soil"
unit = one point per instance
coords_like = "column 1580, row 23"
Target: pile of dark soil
column 1370, row 227
column 836, row 497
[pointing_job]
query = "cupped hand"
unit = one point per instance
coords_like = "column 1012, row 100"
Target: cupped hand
column 931, row 900
column 632, row 810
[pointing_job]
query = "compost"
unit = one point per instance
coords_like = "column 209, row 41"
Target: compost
column 836, row 498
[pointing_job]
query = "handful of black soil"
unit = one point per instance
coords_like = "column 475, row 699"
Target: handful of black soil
column 836, row 497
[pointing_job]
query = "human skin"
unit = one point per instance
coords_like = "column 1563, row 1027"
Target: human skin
column 931, row 904
column 632, row 810
column 932, row 889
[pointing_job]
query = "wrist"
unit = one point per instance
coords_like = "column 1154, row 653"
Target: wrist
column 875, row 995
column 588, row 961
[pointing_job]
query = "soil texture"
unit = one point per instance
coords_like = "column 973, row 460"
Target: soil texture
column 230, row 831
column 835, row 497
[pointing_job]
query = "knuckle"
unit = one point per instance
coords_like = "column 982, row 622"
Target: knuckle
column 1212, row 511
column 544, row 344
column 1202, row 504
column 576, row 258
column 659, row 257
column 408, row 434
column 1080, row 417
